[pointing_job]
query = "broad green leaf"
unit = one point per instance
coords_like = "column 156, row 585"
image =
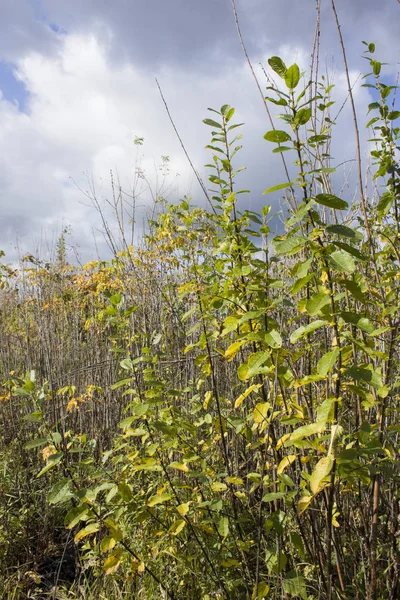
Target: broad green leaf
column 331, row 201
column 76, row 514
column 273, row 339
column 327, row 362
column 324, row 412
column 292, row 76
column 253, row 365
column 305, row 431
column 317, row 302
column 345, row 231
column 52, row 461
column 273, row 496
column 372, row 378
column 212, row 123
column 223, row 527
column 358, row 320
column 290, row 245
column 280, row 186
column 302, row 116
column 342, row 261
column 277, row 65
column 322, row 470
column 306, row 330
column 295, row 586
column 60, row 492
column 35, row 443
column 277, row 136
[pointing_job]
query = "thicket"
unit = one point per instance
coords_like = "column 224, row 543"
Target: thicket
column 215, row 414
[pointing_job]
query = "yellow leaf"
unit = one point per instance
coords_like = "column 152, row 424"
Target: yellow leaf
column 243, row 396
column 113, row 562
column 304, row 503
column 183, row 509
column 322, row 470
column 285, row 462
column 261, row 411
column 88, row 530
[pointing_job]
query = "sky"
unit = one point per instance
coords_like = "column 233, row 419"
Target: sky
column 78, row 86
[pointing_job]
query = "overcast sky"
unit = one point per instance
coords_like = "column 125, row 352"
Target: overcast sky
column 77, row 84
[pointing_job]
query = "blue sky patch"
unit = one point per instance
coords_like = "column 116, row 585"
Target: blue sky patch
column 12, row 88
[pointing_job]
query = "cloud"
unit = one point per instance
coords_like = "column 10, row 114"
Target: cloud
column 88, row 99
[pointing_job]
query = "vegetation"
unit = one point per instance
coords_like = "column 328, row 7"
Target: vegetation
column 215, row 414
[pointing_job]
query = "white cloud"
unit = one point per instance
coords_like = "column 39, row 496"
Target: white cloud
column 84, row 113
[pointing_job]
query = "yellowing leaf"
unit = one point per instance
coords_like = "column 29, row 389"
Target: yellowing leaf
column 177, row 527
column 219, row 487
column 285, row 462
column 233, row 349
column 183, row 509
column 179, row 466
column 158, row 499
column 207, row 398
column 243, row 396
column 113, row 562
column 261, row 412
column 234, row 480
column 88, row 530
column 322, row 470
column 304, row 503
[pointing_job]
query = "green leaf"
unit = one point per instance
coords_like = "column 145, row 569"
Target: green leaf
column 302, row 116
column 212, row 123
column 277, row 65
column 342, row 261
column 305, row 431
column 277, row 136
column 52, row 461
column 125, row 491
column 322, row 470
column 35, row 443
column 331, row 201
column 273, row 339
column 327, row 362
column 291, row 245
column 358, row 320
column 292, row 76
column 295, row 585
column 261, row 591
column 60, row 492
column 35, row 417
column 223, row 527
column 317, row 302
column 76, row 514
column 280, row 186
column 306, row 330
column 345, row 231
column 273, row 496
column 372, row 378
column 252, row 366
